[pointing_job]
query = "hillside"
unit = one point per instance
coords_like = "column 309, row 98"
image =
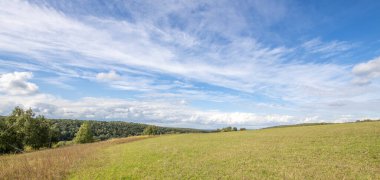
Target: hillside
column 335, row 151
column 338, row 151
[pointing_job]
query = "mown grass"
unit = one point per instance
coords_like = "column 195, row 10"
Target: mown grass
column 54, row 163
column 338, row 151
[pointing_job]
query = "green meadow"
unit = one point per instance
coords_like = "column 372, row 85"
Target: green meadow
column 338, row 151
column 334, row 151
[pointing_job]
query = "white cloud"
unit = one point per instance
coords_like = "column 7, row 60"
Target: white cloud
column 160, row 112
column 114, row 44
column 110, row 76
column 156, row 112
column 328, row 49
column 370, row 69
column 17, row 83
column 140, row 52
column 177, row 113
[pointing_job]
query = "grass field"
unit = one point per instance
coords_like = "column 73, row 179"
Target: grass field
column 337, row 151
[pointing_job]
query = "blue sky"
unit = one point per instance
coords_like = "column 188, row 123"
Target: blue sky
column 202, row 64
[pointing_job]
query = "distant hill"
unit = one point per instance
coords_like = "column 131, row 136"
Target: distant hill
column 315, row 124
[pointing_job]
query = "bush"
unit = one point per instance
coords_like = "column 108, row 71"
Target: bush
column 151, row 130
column 84, row 134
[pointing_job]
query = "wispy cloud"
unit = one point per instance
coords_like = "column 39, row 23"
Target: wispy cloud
column 180, row 51
column 327, row 49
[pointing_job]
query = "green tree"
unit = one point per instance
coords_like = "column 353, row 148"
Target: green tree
column 151, row 130
column 22, row 128
column 227, row 129
column 12, row 131
column 37, row 132
column 234, row 128
column 9, row 139
column 84, row 134
column 54, row 134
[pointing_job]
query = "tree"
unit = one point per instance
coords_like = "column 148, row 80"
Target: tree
column 151, row 130
column 234, row 129
column 37, row 132
column 9, row 139
column 22, row 128
column 84, row 134
column 227, row 129
column 12, row 131
column 54, row 134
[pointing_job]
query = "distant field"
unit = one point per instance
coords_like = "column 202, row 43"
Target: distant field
column 336, row 151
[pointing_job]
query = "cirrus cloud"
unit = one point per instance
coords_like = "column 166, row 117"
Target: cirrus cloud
column 162, row 53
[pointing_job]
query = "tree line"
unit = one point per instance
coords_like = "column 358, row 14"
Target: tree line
column 22, row 128
column 229, row 129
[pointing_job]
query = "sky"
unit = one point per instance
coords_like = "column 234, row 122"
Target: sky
column 199, row 64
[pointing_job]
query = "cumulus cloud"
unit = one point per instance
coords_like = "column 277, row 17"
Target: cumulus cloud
column 17, row 83
column 366, row 71
column 369, row 69
column 109, row 76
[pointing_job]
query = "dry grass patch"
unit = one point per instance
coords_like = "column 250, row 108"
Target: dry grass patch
column 54, row 163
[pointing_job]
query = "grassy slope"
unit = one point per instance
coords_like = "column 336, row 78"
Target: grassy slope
column 313, row 152
column 55, row 163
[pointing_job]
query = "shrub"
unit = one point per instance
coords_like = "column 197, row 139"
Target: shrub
column 84, row 134
column 151, row 130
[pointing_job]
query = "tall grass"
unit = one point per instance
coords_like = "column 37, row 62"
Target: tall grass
column 54, row 163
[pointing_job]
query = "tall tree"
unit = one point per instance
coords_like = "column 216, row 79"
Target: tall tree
column 84, row 134
column 37, row 132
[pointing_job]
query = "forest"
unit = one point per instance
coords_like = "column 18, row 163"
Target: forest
column 22, row 128
column 103, row 130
